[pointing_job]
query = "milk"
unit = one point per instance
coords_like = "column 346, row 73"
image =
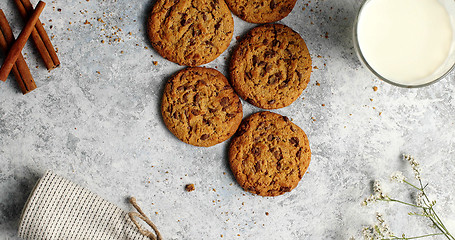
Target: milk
column 405, row 41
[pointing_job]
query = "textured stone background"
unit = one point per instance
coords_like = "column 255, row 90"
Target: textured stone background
column 96, row 121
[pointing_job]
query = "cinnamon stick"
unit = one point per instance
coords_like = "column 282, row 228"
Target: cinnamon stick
column 39, row 36
column 16, row 49
column 20, row 69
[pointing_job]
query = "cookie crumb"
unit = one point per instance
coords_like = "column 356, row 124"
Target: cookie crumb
column 190, row 187
column 266, row 213
column 375, row 88
column 155, row 63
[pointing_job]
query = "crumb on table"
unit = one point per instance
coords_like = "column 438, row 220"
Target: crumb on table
column 189, row 187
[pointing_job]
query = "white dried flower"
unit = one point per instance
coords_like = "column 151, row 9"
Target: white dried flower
column 378, row 194
column 383, row 227
column 398, row 177
column 369, row 200
column 414, row 164
column 377, row 188
column 377, row 231
column 419, row 199
column 367, row 233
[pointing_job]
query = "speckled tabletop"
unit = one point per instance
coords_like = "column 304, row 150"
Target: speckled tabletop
column 96, row 121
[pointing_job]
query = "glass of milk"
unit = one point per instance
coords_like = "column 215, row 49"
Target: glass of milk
column 408, row 43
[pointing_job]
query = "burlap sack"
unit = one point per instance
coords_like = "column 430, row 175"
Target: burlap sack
column 60, row 209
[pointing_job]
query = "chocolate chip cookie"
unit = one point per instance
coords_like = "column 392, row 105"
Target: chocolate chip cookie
column 263, row 11
column 271, row 66
column 200, row 107
column 269, row 154
column 190, row 32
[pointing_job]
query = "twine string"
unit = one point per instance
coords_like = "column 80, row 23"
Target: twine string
column 141, row 215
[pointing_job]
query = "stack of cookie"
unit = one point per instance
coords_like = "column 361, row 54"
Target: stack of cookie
column 269, row 68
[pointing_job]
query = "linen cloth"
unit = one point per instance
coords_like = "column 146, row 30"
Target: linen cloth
column 59, row 209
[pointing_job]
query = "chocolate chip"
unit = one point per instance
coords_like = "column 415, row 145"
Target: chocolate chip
column 196, row 32
column 283, row 10
column 255, row 59
column 275, row 78
column 272, row 4
column 295, row 141
column 271, row 102
column 205, row 136
column 185, row 97
column 211, row 110
column 218, row 25
column 279, row 75
column 272, row 80
column 242, row 129
column 206, row 121
column 195, row 112
column 298, row 74
column 270, row 137
column 299, row 153
column 197, row 98
column 268, row 68
column 286, row 119
column 292, row 129
column 283, row 84
column 257, row 166
column 256, row 151
column 186, row 113
column 181, row 88
column 226, row 87
column 250, row 100
column 209, row 43
column 224, row 102
column 275, row 43
column 265, row 41
column 186, row 21
column 277, row 154
column 230, row 115
column 269, row 54
column 204, row 16
column 248, row 75
column 201, row 82
column 285, row 189
column 175, row 115
column 278, row 166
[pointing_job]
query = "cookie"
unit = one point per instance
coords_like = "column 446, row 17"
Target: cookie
column 264, row 11
column 190, row 32
column 269, row 154
column 200, row 107
column 271, row 66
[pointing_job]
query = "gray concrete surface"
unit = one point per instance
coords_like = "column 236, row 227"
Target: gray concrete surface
column 96, row 121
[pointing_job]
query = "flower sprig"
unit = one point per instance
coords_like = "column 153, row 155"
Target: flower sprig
column 424, row 206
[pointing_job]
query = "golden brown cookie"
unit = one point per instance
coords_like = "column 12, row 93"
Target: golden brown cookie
column 269, row 154
column 271, row 66
column 263, row 11
column 200, row 107
column 190, row 32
